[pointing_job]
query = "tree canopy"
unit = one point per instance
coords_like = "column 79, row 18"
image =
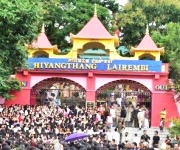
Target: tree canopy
column 169, row 38
column 175, row 129
column 136, row 14
column 19, row 21
column 69, row 16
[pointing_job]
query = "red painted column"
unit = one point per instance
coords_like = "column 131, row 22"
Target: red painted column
column 90, row 90
column 160, row 101
column 22, row 97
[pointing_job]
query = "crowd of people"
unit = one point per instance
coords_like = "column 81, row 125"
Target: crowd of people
column 44, row 127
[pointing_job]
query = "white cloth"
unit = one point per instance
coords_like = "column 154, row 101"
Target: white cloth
column 109, row 135
column 57, row 145
column 98, row 117
column 137, row 140
column 1, row 109
column 113, row 112
column 141, row 115
column 146, row 123
column 171, row 124
column 125, row 139
column 141, row 118
column 119, row 100
column 1, row 120
column 110, row 119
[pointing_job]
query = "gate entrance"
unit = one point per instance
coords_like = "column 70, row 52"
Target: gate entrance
column 128, row 94
column 58, row 91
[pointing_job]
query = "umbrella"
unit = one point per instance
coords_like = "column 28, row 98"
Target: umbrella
column 76, row 136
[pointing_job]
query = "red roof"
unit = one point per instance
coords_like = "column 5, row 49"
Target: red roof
column 42, row 41
column 94, row 29
column 147, row 43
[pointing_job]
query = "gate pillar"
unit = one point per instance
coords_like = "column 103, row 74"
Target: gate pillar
column 22, row 97
column 90, row 90
column 159, row 101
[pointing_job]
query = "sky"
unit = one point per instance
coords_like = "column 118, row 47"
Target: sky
column 122, row 2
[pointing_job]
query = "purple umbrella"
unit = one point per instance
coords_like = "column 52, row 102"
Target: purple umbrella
column 76, row 136
column 16, row 123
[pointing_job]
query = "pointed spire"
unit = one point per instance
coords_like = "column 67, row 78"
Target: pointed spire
column 147, row 29
column 43, row 28
column 95, row 11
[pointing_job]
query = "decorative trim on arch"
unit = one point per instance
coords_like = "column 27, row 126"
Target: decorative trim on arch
column 148, row 83
column 128, row 85
column 52, row 80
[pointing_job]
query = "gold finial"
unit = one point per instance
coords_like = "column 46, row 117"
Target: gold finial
column 95, row 10
column 43, row 28
column 147, row 29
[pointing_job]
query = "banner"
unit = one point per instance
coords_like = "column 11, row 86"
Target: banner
column 94, row 64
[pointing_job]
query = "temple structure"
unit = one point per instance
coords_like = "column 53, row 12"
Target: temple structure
column 141, row 79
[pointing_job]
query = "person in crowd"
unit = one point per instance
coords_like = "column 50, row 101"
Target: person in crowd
column 146, row 117
column 141, row 118
column 101, row 109
column 176, row 147
column 45, row 127
column 156, row 140
column 110, row 121
column 134, row 116
column 129, row 111
column 167, row 140
column 125, row 141
column 161, row 126
column 163, row 114
column 135, row 146
column 113, row 113
column 112, row 98
column 145, row 137
column 118, row 110
column 123, row 114
column 120, row 129
column 119, row 99
column 175, row 140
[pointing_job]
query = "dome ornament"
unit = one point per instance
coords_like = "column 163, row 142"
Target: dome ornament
column 95, row 10
column 147, row 29
column 43, row 28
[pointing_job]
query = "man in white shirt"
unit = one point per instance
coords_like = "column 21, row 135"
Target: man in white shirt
column 125, row 140
column 109, row 134
column 141, row 118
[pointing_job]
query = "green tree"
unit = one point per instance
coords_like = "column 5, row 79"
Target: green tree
column 69, row 16
column 132, row 24
column 136, row 14
column 19, row 24
column 7, row 84
column 175, row 129
column 169, row 38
